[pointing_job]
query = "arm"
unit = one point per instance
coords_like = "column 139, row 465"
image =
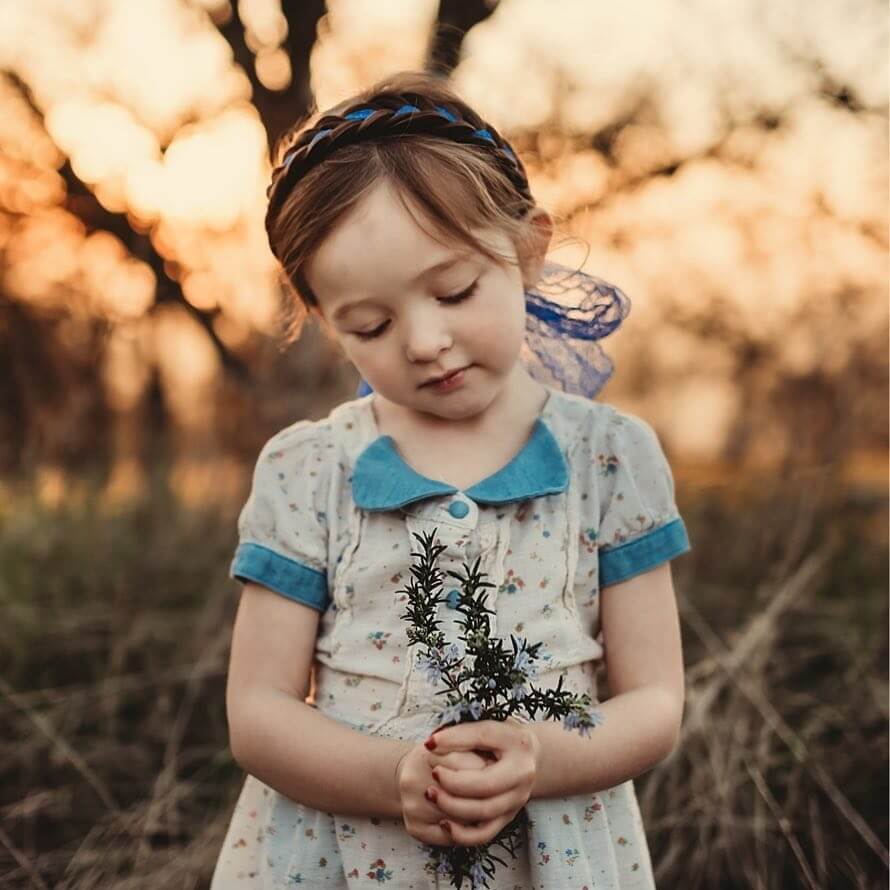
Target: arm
column 287, row 744
column 642, row 719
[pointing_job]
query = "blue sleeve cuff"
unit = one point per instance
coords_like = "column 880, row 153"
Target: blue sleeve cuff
column 290, row 578
column 643, row 553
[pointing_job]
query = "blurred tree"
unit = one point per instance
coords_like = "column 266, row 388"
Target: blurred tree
column 453, row 20
column 620, row 159
column 45, row 373
column 81, row 201
column 277, row 108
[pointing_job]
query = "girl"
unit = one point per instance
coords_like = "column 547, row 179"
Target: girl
column 406, row 227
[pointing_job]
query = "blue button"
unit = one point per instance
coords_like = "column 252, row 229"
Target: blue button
column 453, row 598
column 458, row 509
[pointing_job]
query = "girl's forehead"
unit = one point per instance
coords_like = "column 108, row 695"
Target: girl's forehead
column 379, row 245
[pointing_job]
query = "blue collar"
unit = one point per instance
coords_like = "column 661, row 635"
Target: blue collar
column 381, row 480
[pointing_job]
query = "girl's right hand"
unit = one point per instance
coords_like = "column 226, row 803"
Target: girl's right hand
column 413, row 776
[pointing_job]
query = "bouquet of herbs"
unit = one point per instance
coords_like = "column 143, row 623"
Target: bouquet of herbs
column 483, row 681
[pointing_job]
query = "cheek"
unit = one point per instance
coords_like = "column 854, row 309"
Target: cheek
column 372, row 361
column 501, row 330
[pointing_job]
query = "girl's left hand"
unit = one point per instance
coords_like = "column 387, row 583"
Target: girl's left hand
column 490, row 797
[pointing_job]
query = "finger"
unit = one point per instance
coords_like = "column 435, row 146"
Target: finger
column 461, row 759
column 468, row 810
column 495, row 779
column 470, row 836
column 431, row 813
column 430, row 819
column 487, row 734
column 434, row 835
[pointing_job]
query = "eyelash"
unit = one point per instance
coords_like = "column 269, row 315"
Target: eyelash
column 449, row 301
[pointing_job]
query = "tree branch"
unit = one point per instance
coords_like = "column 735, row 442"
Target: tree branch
column 82, row 203
column 278, row 109
column 454, row 19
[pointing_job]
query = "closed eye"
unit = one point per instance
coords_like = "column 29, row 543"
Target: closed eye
column 449, row 301
column 463, row 295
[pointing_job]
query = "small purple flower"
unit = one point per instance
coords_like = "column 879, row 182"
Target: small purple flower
column 595, row 717
column 431, row 666
column 518, row 692
column 571, row 720
column 452, row 713
column 492, row 683
column 475, row 709
column 533, row 671
column 574, row 721
column 521, row 661
column 477, row 875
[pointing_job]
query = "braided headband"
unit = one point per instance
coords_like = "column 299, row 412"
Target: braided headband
column 382, row 122
column 560, row 345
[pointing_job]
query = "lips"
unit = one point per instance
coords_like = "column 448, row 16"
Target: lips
column 449, row 374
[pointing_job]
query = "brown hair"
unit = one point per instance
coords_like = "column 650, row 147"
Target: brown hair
column 458, row 179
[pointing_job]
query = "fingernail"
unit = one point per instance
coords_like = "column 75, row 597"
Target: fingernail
column 431, row 794
column 430, row 744
column 436, row 774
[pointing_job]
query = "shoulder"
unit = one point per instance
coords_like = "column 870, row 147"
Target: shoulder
column 316, row 451
column 601, row 441
column 629, row 432
column 580, row 423
column 300, row 442
column 628, row 444
column 301, row 453
column 312, row 439
column 300, row 434
column 604, row 425
column 578, row 413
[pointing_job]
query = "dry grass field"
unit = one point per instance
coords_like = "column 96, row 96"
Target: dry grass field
column 114, row 765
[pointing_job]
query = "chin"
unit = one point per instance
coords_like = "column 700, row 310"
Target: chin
column 461, row 405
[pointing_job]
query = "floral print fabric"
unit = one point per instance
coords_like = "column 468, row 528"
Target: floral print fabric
column 302, row 534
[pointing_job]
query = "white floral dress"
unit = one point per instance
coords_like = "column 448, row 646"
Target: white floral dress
column 330, row 522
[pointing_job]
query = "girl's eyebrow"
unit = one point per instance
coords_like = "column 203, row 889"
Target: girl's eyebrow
column 441, row 266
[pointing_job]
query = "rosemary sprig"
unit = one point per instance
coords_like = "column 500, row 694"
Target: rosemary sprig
column 484, row 680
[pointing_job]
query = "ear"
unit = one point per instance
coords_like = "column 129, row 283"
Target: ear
column 533, row 250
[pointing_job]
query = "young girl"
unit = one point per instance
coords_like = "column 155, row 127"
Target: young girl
column 406, row 227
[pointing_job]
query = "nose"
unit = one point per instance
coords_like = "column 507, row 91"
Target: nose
column 427, row 335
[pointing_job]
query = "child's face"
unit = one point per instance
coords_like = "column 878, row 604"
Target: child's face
column 378, row 255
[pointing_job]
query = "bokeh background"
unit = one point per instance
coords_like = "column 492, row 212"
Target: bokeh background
column 724, row 164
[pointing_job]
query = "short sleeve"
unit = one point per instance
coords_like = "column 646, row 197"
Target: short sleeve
column 640, row 526
column 282, row 528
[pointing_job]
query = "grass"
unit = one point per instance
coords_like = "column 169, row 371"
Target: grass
column 114, row 763
column 113, row 647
